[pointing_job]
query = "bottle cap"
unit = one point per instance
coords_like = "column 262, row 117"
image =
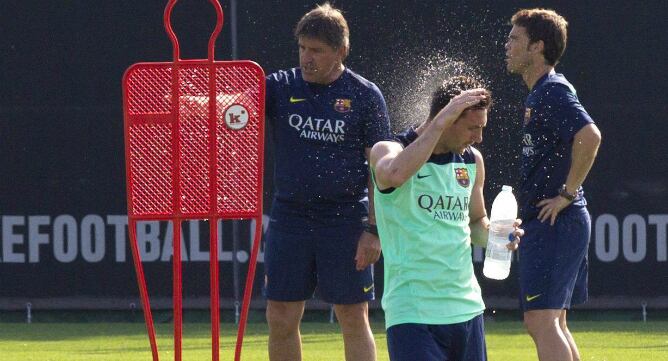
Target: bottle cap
column 507, row 188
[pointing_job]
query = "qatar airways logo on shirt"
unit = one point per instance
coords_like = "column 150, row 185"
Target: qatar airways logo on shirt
column 445, row 207
column 327, row 130
column 527, row 143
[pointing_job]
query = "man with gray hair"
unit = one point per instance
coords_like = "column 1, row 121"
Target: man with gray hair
column 323, row 119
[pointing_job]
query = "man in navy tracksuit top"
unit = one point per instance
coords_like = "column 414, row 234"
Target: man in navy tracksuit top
column 323, row 120
column 559, row 147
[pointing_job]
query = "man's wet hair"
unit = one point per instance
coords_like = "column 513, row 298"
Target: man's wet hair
column 452, row 87
column 545, row 25
column 327, row 24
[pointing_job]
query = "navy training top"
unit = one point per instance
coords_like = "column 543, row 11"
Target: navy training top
column 320, row 133
column 553, row 115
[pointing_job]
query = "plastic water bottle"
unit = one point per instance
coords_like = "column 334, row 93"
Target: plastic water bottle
column 497, row 256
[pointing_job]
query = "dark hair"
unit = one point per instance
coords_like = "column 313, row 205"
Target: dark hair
column 545, row 25
column 452, row 87
column 326, row 24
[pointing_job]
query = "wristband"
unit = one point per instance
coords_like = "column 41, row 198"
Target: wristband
column 371, row 228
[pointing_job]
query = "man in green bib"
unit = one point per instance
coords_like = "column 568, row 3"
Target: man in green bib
column 429, row 207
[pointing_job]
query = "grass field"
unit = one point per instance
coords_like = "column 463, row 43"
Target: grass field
column 127, row 341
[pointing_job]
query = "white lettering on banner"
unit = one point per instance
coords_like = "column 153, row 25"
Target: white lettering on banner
column 35, row 223
column 607, row 238
column 634, row 240
column 168, row 245
column 34, row 239
column 196, row 253
column 65, row 247
column 147, row 241
column 629, row 238
column 92, row 238
column 660, row 221
column 635, row 248
column 10, row 239
column 120, row 223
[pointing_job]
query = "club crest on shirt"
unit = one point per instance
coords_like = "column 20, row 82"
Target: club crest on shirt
column 462, row 175
column 342, row 105
column 527, row 115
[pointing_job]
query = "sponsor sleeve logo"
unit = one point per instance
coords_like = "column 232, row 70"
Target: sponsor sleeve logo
column 342, row 105
column 462, row 175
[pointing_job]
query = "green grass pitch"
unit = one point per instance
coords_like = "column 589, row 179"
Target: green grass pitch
column 118, row 341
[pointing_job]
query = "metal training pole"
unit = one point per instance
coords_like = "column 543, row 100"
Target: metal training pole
column 177, row 289
column 215, row 298
column 213, row 219
column 141, row 280
column 235, row 223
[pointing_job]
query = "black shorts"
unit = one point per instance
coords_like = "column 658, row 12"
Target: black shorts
column 463, row 341
column 553, row 261
column 301, row 261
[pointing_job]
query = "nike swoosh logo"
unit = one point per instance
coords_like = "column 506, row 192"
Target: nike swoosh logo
column 367, row 289
column 531, row 298
column 423, row 176
column 296, row 100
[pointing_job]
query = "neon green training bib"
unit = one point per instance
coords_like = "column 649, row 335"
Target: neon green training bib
column 424, row 232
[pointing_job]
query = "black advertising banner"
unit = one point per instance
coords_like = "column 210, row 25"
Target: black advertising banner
column 62, row 172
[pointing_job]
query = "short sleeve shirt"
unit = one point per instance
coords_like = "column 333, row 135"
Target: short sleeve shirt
column 320, row 133
column 553, row 115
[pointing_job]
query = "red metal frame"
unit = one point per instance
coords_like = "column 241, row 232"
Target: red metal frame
column 183, row 162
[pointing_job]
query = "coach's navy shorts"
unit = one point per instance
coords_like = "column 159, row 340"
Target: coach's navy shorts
column 553, row 261
column 303, row 256
column 456, row 342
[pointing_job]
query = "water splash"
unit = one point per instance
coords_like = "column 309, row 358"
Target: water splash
column 451, row 39
column 411, row 96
